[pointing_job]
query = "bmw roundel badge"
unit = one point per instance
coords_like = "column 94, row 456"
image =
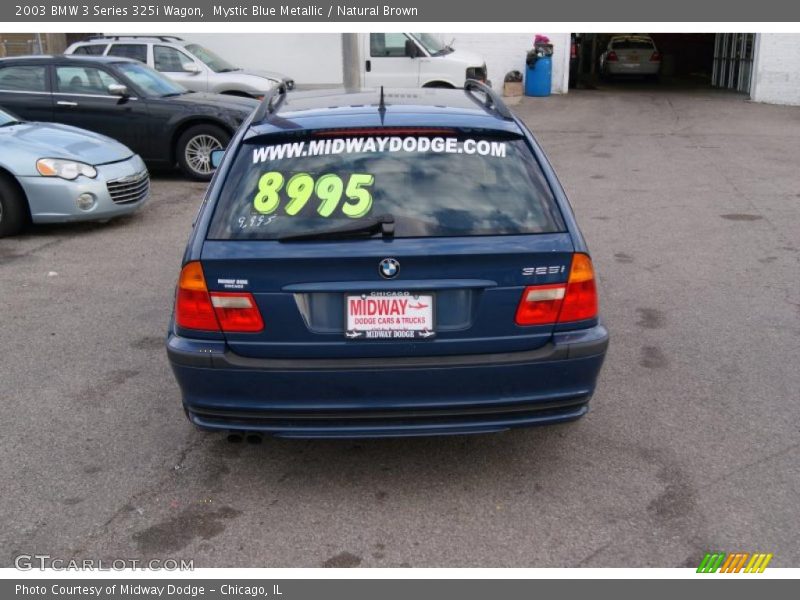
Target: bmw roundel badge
column 389, row 268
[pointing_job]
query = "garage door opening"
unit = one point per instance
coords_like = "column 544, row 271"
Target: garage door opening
column 662, row 61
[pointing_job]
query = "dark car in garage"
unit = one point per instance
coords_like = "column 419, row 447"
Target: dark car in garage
column 158, row 119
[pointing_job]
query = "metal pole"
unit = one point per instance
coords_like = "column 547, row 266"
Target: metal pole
column 351, row 61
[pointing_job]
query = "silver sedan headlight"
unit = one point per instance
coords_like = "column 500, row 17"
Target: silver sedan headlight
column 66, row 169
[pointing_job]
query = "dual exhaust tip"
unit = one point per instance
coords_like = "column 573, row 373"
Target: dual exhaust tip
column 237, row 437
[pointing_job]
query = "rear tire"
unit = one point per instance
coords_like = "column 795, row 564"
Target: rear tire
column 194, row 147
column 13, row 211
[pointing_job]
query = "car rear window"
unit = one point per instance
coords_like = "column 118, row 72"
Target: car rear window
column 632, row 45
column 91, row 49
column 433, row 184
column 135, row 51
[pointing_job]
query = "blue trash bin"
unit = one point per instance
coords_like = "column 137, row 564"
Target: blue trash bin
column 538, row 77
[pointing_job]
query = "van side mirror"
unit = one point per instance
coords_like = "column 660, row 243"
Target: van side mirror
column 411, row 49
column 216, row 157
column 190, row 68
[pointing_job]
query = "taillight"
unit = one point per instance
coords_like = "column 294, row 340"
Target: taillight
column 580, row 301
column 612, row 56
column 540, row 304
column 237, row 311
column 573, row 51
column 655, row 56
column 196, row 308
column 193, row 309
column 575, row 300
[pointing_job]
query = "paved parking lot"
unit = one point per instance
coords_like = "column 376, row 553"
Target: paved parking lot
column 690, row 203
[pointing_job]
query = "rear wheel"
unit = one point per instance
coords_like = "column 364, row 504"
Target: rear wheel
column 13, row 214
column 194, row 149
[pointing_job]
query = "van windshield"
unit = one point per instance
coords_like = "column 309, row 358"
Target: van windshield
column 432, row 44
column 431, row 184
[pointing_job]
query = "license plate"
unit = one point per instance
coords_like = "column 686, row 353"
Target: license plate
column 389, row 316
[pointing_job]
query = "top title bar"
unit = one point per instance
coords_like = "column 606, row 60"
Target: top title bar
column 400, row 10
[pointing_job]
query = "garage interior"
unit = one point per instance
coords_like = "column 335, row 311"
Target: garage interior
column 688, row 60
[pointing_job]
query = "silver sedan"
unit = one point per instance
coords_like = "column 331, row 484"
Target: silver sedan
column 51, row 173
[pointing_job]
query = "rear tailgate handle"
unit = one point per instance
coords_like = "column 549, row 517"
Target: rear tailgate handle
column 407, row 285
column 66, row 103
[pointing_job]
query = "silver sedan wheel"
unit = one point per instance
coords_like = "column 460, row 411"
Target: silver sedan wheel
column 198, row 153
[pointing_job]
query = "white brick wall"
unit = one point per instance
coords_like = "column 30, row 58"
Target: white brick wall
column 777, row 69
column 506, row 52
column 311, row 58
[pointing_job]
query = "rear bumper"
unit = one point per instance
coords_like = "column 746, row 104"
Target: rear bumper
column 620, row 68
column 385, row 397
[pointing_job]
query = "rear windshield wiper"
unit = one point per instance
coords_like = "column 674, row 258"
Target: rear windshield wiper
column 361, row 228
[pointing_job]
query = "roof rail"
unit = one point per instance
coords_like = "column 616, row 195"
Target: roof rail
column 272, row 100
column 492, row 102
column 116, row 38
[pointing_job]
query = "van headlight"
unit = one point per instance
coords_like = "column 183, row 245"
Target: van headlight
column 66, row 169
column 478, row 73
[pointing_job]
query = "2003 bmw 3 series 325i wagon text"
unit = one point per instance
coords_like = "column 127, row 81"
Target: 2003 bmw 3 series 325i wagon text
column 394, row 263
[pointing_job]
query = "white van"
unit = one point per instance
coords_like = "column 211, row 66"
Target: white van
column 416, row 60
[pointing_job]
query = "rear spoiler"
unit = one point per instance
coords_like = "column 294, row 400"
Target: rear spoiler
column 492, row 102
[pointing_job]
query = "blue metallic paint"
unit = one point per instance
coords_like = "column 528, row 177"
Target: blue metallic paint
column 287, row 379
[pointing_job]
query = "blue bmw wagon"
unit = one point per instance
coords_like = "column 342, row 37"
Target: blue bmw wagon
column 385, row 263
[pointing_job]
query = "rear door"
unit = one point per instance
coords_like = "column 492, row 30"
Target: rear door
column 82, row 99
column 25, row 91
column 474, row 223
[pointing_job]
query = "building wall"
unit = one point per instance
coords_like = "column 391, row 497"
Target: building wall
column 506, row 52
column 316, row 59
column 776, row 76
column 310, row 58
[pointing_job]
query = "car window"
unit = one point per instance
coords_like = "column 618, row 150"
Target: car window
column 135, row 51
column 387, row 44
column 83, row 80
column 167, row 59
column 91, row 49
column 211, row 60
column 431, row 43
column 632, row 45
column 31, row 78
column 149, row 80
column 7, row 118
column 433, row 185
